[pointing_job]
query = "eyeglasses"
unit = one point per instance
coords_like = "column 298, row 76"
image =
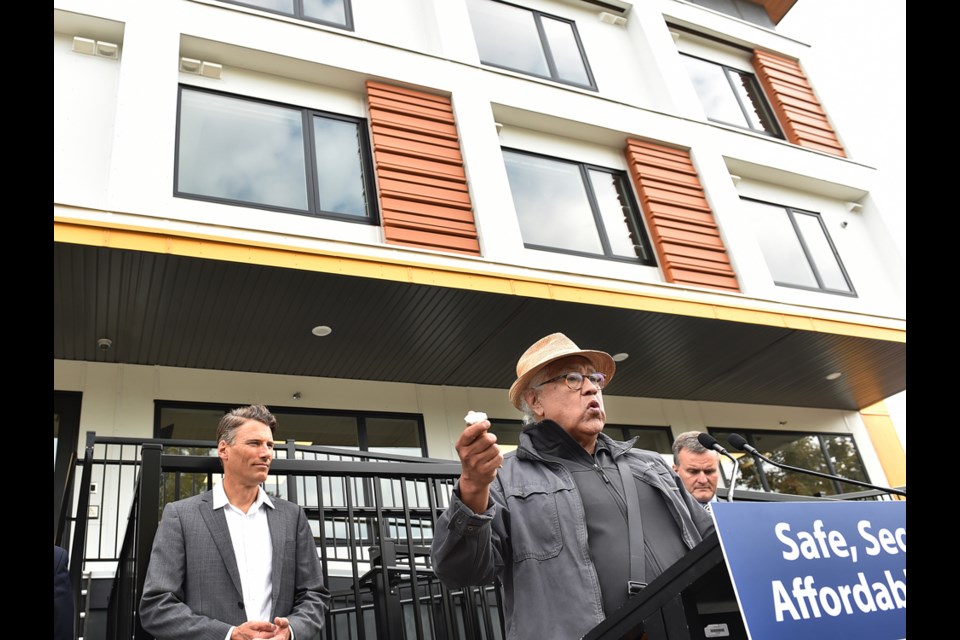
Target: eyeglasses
column 574, row 379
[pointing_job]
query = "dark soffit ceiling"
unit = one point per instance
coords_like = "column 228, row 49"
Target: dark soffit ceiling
column 166, row 310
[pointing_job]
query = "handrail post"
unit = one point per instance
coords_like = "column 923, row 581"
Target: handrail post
column 148, row 519
column 386, row 594
column 78, row 548
column 291, row 481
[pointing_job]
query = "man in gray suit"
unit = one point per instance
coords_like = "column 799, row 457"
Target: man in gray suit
column 233, row 563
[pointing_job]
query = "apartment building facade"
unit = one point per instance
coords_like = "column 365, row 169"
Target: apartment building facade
column 360, row 213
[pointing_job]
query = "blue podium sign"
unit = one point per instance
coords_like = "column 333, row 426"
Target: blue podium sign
column 817, row 569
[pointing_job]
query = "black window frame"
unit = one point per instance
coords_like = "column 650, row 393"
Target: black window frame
column 636, row 221
column 766, row 111
column 821, row 288
column 749, row 435
column 310, row 177
column 280, row 411
column 299, row 14
column 625, row 432
column 545, row 47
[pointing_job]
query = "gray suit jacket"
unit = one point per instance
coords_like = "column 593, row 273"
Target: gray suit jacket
column 192, row 588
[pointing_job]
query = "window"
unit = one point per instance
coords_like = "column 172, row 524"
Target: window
column 826, row 453
column 530, row 42
column 655, row 439
column 393, row 433
column 797, row 248
column 731, row 96
column 335, row 13
column 259, row 154
column 576, row 208
column 744, row 9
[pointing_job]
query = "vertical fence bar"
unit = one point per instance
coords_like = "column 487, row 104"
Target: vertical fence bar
column 147, row 522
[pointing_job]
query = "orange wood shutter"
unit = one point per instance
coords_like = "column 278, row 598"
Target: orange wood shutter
column 679, row 219
column 804, row 121
column 424, row 200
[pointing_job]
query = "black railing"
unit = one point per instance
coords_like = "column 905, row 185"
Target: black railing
column 373, row 519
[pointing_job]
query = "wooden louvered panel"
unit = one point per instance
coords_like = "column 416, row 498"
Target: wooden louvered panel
column 439, row 225
column 682, row 228
column 792, row 98
column 676, row 197
column 666, row 211
column 424, row 200
column 426, row 210
column 388, row 140
column 444, row 240
column 401, row 100
column 703, row 278
column 416, row 191
column 386, row 176
column 776, row 9
column 690, row 237
column 421, row 167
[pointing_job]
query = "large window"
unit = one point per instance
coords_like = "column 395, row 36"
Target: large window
column 828, row 453
column 530, row 42
column 731, row 96
column 393, row 433
column 744, row 9
column 797, row 248
column 576, row 208
column 243, row 151
column 332, row 12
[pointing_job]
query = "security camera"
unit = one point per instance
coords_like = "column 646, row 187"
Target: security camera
column 104, row 343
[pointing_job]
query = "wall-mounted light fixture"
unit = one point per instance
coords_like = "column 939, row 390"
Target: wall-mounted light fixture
column 609, row 18
column 99, row 48
column 201, row 68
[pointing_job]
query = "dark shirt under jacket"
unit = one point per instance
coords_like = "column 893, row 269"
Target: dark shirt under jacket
column 601, row 491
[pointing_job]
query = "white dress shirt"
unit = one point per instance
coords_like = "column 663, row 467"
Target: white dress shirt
column 252, row 546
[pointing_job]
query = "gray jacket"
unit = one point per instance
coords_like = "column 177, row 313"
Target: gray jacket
column 533, row 539
column 193, row 586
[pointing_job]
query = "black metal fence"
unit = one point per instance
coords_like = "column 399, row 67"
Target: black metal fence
column 372, row 518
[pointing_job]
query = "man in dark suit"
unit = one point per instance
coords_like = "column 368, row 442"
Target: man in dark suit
column 62, row 596
column 233, row 563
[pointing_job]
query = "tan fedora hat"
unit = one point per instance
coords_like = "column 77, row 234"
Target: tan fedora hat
column 550, row 348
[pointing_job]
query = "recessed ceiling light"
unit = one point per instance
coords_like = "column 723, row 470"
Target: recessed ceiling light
column 834, row 375
column 620, row 357
column 322, row 330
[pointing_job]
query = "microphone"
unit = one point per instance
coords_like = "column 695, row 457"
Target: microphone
column 709, row 442
column 739, row 442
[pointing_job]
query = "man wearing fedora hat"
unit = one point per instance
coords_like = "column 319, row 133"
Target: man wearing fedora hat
column 572, row 522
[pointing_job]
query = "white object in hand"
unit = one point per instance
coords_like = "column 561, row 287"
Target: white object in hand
column 474, row 416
